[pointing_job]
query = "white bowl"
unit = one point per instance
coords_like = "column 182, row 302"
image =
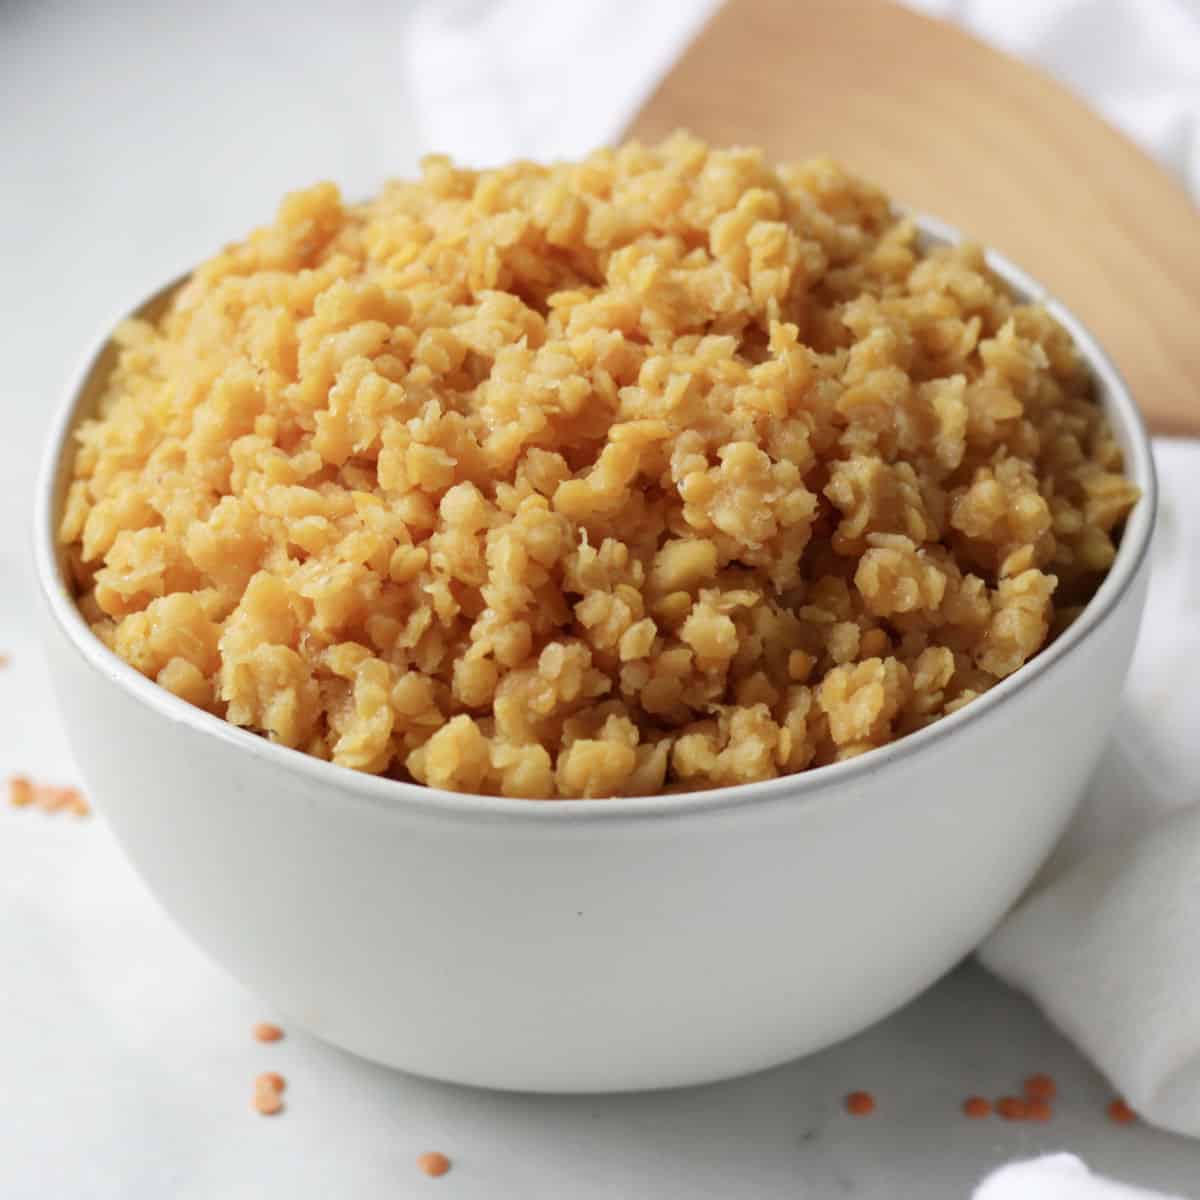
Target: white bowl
column 597, row 945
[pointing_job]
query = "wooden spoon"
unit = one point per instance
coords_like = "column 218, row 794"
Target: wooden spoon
column 954, row 128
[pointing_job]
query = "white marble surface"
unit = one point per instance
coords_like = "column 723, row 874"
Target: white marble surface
column 130, row 1077
column 125, row 1072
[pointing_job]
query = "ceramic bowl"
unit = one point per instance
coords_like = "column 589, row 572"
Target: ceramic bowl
column 596, row 945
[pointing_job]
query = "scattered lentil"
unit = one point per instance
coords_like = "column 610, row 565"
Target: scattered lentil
column 264, row 1031
column 52, row 799
column 434, row 1163
column 268, row 1088
column 1012, row 1108
column 77, row 805
column 47, row 797
column 1121, row 1113
column 976, row 1107
column 1038, row 1109
column 860, row 1104
column 1040, row 1087
column 20, row 791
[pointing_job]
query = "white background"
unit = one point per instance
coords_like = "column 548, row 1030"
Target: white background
column 134, row 139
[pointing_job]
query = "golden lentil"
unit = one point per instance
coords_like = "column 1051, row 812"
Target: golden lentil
column 663, row 470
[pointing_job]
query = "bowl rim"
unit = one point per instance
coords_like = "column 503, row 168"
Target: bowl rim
column 797, row 788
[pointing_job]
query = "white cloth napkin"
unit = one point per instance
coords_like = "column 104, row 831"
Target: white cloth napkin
column 1108, row 942
column 495, row 80
column 1057, row 1177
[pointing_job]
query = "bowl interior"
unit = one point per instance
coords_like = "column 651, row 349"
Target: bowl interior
column 50, row 561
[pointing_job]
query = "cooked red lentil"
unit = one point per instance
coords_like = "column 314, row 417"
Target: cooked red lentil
column 264, row 1031
column 1120, row 1113
column 976, row 1107
column 860, row 1104
column 663, row 470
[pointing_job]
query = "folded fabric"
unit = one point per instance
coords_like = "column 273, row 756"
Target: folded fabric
column 1108, row 941
column 495, row 80
column 1057, row 1177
